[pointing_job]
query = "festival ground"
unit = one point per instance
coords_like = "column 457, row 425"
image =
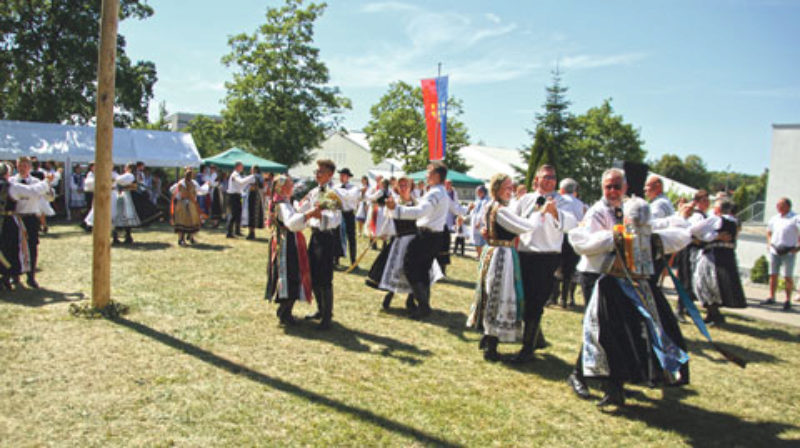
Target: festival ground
column 201, row 361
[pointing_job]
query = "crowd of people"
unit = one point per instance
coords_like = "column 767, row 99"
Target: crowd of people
column 531, row 245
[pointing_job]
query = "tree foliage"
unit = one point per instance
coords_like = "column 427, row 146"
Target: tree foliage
column 209, row 135
column 551, row 134
column 48, row 62
column 599, row 138
column 397, row 129
column 279, row 104
column 690, row 171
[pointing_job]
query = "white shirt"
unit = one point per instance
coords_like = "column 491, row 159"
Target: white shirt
column 351, row 202
column 661, row 207
column 593, row 239
column 451, row 217
column 784, row 230
column 28, row 201
column 574, row 206
column 330, row 219
column 290, row 218
column 431, row 211
column 237, row 183
column 547, row 234
column 88, row 183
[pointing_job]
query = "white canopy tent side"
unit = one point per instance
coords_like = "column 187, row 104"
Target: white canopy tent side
column 76, row 144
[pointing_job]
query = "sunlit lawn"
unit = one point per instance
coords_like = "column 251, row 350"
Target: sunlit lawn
column 201, row 361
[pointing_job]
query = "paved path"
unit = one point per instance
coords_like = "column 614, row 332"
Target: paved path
column 755, row 296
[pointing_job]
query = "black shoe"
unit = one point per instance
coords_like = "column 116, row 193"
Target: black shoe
column 115, row 242
column 615, row 396
column 769, row 301
column 128, row 241
column 541, row 342
column 314, row 316
column 6, row 284
column 491, row 356
column 230, row 235
column 387, row 300
column 192, row 240
column 422, row 313
column 287, row 319
column 181, row 243
column 578, row 386
column 411, row 305
column 239, row 233
column 787, row 306
column 32, row 283
column 251, row 236
column 482, row 343
column 324, row 325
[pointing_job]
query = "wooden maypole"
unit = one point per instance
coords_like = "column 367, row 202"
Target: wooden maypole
column 106, row 70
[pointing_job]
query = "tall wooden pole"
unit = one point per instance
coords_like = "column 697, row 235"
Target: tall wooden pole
column 106, row 70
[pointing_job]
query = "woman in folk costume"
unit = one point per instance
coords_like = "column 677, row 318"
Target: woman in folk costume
column 186, row 211
column 387, row 272
column 630, row 334
column 363, row 206
column 255, row 204
column 715, row 279
column 497, row 309
column 77, row 201
column 288, row 271
column 145, row 209
column 123, row 210
column 375, row 214
column 216, row 208
column 15, row 253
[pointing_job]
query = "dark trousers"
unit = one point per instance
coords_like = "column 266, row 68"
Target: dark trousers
column 235, row 217
column 32, row 224
column 349, row 219
column 321, row 252
column 460, row 242
column 538, row 280
column 569, row 260
column 422, row 250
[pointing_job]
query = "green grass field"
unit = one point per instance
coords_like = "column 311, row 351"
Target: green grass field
column 201, row 361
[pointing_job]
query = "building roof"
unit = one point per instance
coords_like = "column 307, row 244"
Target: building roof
column 486, row 161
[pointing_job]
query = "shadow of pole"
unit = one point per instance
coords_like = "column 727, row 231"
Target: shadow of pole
column 283, row 386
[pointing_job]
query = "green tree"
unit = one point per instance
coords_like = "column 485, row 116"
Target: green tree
column 208, row 135
column 397, row 129
column 551, row 132
column 279, row 104
column 48, row 62
column 599, row 139
column 159, row 125
column 690, row 171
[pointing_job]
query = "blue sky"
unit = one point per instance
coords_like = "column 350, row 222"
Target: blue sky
column 703, row 77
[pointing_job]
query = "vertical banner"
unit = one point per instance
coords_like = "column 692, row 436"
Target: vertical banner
column 434, row 96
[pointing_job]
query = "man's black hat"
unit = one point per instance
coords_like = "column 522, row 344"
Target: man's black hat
column 346, row 171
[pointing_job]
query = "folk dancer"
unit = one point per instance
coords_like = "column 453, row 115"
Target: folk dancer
column 629, row 331
column 19, row 205
column 497, row 309
column 687, row 258
column 288, row 270
column 255, row 203
column 236, row 186
column 715, row 278
column 347, row 232
column 186, row 215
column 214, row 199
column 77, row 201
column 430, row 213
column 322, row 247
column 387, row 272
column 476, row 215
column 540, row 252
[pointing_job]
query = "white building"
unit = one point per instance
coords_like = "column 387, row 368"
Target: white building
column 784, row 168
column 486, row 161
column 348, row 150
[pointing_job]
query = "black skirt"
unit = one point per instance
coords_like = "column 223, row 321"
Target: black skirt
column 145, row 210
column 730, row 283
column 9, row 245
column 378, row 266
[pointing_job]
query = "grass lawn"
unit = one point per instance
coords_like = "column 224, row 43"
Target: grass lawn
column 201, row 361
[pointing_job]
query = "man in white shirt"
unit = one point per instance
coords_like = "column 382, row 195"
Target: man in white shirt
column 348, row 231
column 660, row 205
column 237, row 183
column 540, row 251
column 28, row 208
column 568, row 188
column 431, row 215
column 324, row 236
column 783, row 239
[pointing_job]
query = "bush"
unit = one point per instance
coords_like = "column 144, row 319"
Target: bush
column 759, row 272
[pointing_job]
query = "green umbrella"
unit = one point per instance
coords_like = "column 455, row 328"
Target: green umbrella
column 228, row 159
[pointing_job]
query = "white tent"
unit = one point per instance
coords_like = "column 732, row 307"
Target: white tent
column 76, row 144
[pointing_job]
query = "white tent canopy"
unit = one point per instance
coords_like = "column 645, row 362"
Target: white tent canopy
column 76, row 144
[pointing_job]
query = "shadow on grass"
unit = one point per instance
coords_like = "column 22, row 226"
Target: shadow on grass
column 208, row 247
column 703, row 349
column 757, row 333
column 39, row 297
column 237, row 369
column 64, row 234
column 145, row 245
column 469, row 284
column 544, row 365
column 453, row 321
column 702, row 427
column 353, row 340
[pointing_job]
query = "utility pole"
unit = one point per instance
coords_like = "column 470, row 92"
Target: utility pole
column 104, row 139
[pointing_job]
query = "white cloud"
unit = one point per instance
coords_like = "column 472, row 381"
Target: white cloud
column 492, row 18
column 595, row 61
